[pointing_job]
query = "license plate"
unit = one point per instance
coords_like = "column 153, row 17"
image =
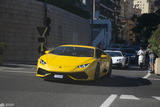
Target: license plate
column 58, row 76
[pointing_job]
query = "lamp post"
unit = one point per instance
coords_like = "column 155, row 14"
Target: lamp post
column 92, row 18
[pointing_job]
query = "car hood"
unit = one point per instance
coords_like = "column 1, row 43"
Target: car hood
column 118, row 57
column 65, row 62
column 115, row 59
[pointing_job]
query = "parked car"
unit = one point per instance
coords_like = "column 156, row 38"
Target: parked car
column 118, row 58
column 131, row 53
column 135, row 47
column 76, row 62
column 114, row 47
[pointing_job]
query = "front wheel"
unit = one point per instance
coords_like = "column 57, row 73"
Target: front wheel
column 110, row 70
column 96, row 76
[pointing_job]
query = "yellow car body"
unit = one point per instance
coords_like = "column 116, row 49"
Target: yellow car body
column 76, row 62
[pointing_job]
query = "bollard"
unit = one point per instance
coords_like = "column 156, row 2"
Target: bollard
column 157, row 66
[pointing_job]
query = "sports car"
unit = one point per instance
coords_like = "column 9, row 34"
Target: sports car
column 75, row 62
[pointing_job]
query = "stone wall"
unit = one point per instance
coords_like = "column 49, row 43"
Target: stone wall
column 18, row 22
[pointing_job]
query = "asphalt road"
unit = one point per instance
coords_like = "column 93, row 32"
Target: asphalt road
column 19, row 87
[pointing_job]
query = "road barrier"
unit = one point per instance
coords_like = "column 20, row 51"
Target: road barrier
column 157, row 66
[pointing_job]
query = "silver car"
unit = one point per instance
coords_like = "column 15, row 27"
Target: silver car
column 118, row 58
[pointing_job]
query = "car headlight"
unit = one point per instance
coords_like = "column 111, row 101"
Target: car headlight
column 83, row 66
column 42, row 62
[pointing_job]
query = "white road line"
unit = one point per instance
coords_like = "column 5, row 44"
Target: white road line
column 146, row 76
column 109, row 100
column 129, row 97
column 154, row 79
column 157, row 98
column 19, row 72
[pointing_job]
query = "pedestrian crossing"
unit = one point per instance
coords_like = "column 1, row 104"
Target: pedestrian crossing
column 129, row 97
column 157, row 98
column 110, row 100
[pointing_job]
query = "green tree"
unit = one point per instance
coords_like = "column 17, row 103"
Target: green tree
column 154, row 41
column 2, row 47
column 146, row 24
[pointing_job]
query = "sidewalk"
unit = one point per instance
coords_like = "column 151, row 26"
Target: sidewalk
column 17, row 67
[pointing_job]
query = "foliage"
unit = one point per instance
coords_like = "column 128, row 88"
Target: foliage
column 154, row 41
column 2, row 47
column 146, row 24
column 157, row 3
column 69, row 5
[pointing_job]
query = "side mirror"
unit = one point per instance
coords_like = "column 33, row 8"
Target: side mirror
column 103, row 56
column 46, row 52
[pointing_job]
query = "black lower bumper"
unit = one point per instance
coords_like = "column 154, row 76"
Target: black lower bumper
column 76, row 75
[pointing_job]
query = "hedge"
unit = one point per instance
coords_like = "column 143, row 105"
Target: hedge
column 155, row 42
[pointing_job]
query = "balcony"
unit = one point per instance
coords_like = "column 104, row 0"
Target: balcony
column 108, row 4
column 104, row 6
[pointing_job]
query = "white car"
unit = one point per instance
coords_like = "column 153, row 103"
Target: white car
column 118, row 58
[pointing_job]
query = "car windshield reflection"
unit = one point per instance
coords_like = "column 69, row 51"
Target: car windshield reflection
column 73, row 51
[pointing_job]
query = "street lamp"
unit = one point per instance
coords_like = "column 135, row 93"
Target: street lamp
column 92, row 18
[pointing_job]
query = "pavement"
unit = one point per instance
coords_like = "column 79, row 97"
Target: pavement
column 126, row 88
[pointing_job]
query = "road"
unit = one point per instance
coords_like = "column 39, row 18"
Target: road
column 126, row 88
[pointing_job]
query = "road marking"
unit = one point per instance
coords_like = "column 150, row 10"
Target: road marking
column 24, row 65
column 154, row 79
column 129, row 97
column 146, row 76
column 19, row 72
column 157, row 98
column 109, row 100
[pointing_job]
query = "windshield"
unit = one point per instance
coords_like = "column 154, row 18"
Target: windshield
column 130, row 51
column 115, row 46
column 114, row 54
column 74, row 51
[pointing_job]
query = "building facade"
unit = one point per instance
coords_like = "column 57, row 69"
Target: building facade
column 104, row 15
column 127, row 10
column 126, row 13
column 19, row 22
column 144, row 5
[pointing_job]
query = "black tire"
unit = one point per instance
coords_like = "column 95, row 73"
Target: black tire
column 110, row 70
column 96, row 76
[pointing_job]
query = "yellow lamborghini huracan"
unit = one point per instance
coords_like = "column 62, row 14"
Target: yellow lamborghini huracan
column 76, row 62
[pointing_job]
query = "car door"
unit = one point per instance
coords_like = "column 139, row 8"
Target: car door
column 101, row 61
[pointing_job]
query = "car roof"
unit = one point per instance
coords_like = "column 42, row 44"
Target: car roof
column 84, row 46
column 111, row 51
column 128, row 48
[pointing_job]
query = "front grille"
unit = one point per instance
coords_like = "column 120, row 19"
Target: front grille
column 77, row 75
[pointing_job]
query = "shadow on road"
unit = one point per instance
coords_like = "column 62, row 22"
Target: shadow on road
column 130, row 68
column 114, row 81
